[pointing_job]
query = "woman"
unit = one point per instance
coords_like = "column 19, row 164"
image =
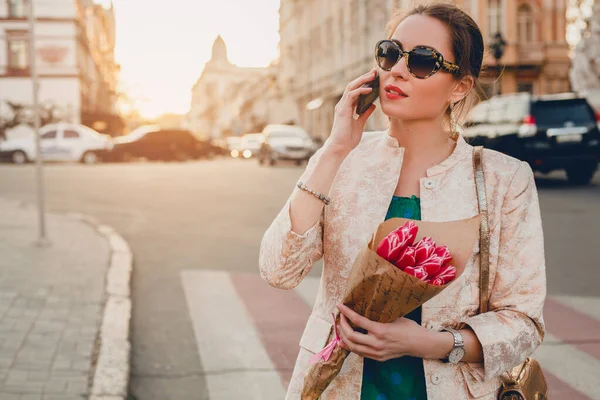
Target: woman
column 416, row 169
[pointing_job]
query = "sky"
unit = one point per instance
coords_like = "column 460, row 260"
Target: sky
column 162, row 46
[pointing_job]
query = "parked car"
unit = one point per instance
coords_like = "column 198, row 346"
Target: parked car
column 153, row 143
column 59, row 142
column 233, row 144
column 250, row 144
column 550, row 132
column 285, row 142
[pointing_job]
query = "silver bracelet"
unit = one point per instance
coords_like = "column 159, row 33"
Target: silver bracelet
column 318, row 195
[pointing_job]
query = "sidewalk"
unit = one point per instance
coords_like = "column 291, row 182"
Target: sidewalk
column 52, row 305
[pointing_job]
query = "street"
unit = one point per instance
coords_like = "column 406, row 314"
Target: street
column 195, row 229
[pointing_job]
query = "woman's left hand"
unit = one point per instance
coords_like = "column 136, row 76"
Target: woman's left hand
column 382, row 342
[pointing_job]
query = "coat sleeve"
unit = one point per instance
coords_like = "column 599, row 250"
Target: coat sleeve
column 286, row 257
column 514, row 327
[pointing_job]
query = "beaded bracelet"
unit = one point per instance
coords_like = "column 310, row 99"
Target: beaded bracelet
column 318, row 195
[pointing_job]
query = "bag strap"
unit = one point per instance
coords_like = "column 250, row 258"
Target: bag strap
column 484, row 234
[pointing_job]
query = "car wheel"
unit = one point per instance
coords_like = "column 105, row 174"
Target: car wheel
column 271, row 161
column 260, row 161
column 19, row 157
column 582, row 174
column 89, row 158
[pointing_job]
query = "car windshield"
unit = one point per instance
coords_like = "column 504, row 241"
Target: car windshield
column 557, row 113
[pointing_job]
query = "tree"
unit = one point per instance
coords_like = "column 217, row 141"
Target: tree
column 22, row 114
column 16, row 117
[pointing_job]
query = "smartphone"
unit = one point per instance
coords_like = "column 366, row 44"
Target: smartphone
column 365, row 100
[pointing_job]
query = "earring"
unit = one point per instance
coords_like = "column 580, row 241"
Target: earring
column 453, row 131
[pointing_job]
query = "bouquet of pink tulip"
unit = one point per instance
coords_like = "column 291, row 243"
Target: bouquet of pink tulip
column 393, row 276
column 424, row 260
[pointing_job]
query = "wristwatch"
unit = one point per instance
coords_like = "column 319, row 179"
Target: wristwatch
column 458, row 351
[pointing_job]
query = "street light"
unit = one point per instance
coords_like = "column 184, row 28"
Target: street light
column 498, row 47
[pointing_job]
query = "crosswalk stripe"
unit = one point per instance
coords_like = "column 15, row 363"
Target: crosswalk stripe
column 233, row 357
column 548, row 351
column 278, row 315
column 248, row 333
column 589, row 306
column 571, row 365
column 570, row 326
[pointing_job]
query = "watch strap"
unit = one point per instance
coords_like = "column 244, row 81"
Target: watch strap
column 458, row 339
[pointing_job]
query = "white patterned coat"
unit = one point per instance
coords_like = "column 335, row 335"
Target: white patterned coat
column 360, row 196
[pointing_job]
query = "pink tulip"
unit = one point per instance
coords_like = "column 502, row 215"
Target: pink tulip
column 424, row 249
column 407, row 259
column 392, row 247
column 432, row 265
column 444, row 254
column 416, row 272
column 446, row 275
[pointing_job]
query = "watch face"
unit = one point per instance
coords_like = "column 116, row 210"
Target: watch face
column 456, row 355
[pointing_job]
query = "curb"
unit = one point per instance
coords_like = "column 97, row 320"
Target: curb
column 111, row 376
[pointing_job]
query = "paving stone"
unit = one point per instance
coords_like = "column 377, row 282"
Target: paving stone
column 51, row 304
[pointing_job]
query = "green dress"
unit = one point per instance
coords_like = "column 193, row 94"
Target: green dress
column 400, row 378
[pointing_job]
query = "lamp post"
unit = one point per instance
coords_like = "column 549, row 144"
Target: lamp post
column 498, row 47
column 42, row 239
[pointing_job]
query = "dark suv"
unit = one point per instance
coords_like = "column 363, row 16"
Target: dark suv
column 153, row 143
column 550, row 132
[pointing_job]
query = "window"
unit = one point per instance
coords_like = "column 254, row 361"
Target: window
column 525, row 24
column 16, row 8
column 18, row 52
column 495, row 17
column 525, row 87
column 71, row 134
column 49, row 135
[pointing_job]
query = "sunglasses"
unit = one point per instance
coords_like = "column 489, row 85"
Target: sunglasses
column 422, row 61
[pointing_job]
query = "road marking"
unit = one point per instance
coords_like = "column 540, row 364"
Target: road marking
column 568, row 325
column 589, row 306
column 233, row 358
column 278, row 315
column 272, row 322
column 570, row 365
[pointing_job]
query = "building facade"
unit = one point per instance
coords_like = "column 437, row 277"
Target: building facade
column 216, row 102
column 327, row 43
column 74, row 48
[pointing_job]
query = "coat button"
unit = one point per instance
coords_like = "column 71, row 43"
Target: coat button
column 436, row 379
column 429, row 184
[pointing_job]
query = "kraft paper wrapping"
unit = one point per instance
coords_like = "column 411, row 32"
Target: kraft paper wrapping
column 381, row 292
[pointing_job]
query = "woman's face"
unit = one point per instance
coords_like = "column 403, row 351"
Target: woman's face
column 425, row 98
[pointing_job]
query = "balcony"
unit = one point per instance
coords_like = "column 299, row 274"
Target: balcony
column 530, row 53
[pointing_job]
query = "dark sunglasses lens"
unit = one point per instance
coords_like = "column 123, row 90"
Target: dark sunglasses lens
column 387, row 55
column 422, row 62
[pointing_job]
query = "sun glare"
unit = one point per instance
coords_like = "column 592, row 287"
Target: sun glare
column 162, row 51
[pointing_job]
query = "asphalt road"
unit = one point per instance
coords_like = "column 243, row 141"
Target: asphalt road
column 212, row 214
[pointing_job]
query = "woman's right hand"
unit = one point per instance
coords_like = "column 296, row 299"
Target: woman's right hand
column 347, row 131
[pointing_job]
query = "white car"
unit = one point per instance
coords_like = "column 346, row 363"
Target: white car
column 250, row 145
column 285, row 142
column 233, row 145
column 59, row 142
